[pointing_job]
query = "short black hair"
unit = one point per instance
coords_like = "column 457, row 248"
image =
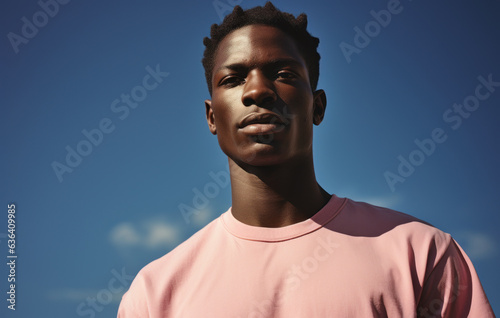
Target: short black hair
column 266, row 15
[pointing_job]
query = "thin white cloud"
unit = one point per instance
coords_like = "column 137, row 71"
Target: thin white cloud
column 153, row 233
column 160, row 234
column 77, row 295
column 477, row 245
column 125, row 234
column 201, row 217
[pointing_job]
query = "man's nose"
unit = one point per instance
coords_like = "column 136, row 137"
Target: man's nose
column 259, row 90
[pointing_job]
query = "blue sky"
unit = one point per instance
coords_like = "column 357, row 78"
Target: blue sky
column 82, row 235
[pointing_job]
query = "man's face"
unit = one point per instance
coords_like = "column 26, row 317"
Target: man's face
column 262, row 106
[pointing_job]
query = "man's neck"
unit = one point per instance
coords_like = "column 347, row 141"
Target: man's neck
column 275, row 196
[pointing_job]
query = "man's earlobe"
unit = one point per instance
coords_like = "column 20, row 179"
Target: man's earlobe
column 319, row 106
column 210, row 117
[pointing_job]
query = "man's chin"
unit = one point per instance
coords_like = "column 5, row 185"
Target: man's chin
column 260, row 154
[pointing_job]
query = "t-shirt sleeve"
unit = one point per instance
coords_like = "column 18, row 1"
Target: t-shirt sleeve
column 453, row 289
column 134, row 303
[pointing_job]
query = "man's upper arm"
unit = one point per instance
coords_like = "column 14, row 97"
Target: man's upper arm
column 134, row 303
column 453, row 289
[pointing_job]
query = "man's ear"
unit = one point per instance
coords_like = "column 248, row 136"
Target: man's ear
column 210, row 116
column 319, row 106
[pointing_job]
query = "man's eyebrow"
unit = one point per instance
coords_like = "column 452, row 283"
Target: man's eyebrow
column 233, row 67
column 283, row 62
column 276, row 63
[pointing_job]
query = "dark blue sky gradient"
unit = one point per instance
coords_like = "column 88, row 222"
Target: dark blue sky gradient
column 119, row 208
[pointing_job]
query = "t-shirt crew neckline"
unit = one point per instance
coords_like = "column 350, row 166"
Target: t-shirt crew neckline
column 267, row 234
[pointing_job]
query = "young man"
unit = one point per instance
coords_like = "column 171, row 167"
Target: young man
column 287, row 248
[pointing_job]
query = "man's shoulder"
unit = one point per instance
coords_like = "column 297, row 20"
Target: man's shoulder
column 157, row 277
column 183, row 254
column 365, row 219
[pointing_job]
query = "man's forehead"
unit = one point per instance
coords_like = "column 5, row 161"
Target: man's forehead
column 254, row 44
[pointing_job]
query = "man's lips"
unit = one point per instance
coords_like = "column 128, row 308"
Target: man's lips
column 261, row 123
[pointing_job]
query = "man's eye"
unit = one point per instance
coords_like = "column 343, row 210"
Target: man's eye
column 285, row 75
column 231, row 81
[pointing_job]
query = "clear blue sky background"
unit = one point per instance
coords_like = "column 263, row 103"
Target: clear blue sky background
column 119, row 207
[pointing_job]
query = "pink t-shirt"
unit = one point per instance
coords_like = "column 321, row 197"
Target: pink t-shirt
column 351, row 259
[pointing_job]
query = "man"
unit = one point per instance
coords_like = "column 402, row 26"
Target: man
column 287, row 248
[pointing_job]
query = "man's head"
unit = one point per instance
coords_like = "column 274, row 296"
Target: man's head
column 266, row 15
column 263, row 103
